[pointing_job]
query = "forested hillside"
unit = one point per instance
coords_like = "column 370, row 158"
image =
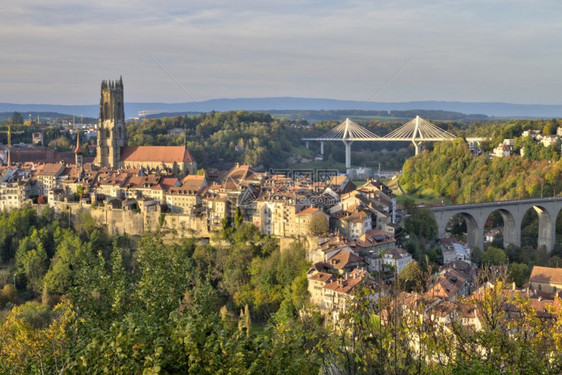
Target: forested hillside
column 86, row 302
column 452, row 172
column 220, row 139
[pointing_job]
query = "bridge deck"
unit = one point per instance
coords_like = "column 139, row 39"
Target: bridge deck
column 377, row 139
column 456, row 207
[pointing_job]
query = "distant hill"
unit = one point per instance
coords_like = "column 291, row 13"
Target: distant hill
column 44, row 116
column 495, row 109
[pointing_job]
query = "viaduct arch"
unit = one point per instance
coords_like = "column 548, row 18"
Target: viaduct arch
column 512, row 212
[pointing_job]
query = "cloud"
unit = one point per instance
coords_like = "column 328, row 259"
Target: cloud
column 58, row 51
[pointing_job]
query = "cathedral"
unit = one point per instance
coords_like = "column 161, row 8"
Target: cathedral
column 112, row 149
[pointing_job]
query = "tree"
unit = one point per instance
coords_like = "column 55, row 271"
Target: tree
column 549, row 128
column 35, row 339
column 410, row 205
column 318, row 224
column 422, row 224
column 237, row 218
column 61, row 144
column 519, row 273
column 71, row 254
column 17, row 118
column 476, row 255
column 8, row 293
column 494, row 256
column 411, row 277
column 34, row 264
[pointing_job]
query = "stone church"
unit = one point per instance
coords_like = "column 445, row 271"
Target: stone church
column 112, row 149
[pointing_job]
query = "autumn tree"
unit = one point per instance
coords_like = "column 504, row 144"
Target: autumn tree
column 318, row 224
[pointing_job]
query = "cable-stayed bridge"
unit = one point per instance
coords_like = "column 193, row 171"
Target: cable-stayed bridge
column 416, row 131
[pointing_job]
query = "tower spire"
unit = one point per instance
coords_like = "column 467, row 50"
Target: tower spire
column 78, row 158
column 78, row 149
column 9, row 145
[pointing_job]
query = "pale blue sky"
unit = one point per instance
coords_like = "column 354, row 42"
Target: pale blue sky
column 59, row 51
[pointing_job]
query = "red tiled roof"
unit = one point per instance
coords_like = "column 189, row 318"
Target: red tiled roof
column 345, row 285
column 321, row 276
column 546, row 275
column 308, row 211
column 193, row 182
column 168, row 182
column 375, row 237
column 356, row 217
column 150, row 181
column 51, row 169
column 343, row 258
column 165, row 154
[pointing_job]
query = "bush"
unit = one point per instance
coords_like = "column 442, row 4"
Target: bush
column 8, row 294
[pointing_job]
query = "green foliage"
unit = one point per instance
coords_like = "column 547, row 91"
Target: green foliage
column 318, row 224
column 519, row 273
column 411, row 278
column 14, row 226
column 36, row 339
column 452, row 172
column 422, row 224
column 71, row 254
column 155, row 307
column 61, row 144
column 494, row 256
column 34, row 264
column 8, row 294
column 17, row 118
column 251, row 138
column 410, row 206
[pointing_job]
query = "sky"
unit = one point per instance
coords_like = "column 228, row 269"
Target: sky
column 58, row 51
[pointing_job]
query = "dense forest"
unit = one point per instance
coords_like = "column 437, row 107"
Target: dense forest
column 86, row 302
column 258, row 139
column 451, row 171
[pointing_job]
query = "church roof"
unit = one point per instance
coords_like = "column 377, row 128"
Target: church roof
column 164, row 154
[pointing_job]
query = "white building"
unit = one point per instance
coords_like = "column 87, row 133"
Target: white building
column 397, row 258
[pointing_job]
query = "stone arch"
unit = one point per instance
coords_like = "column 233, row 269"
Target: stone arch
column 547, row 228
column 473, row 231
column 511, row 227
column 558, row 229
column 546, row 232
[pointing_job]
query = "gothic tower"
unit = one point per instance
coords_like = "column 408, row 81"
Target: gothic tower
column 112, row 133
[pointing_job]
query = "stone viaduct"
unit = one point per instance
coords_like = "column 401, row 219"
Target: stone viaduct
column 512, row 212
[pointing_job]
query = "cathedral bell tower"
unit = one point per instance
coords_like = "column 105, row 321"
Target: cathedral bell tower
column 112, row 133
